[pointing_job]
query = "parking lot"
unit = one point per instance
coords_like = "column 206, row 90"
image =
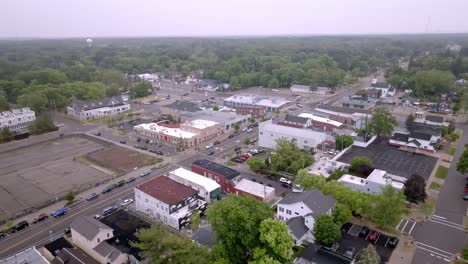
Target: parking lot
column 354, row 236
column 393, row 160
column 37, row 174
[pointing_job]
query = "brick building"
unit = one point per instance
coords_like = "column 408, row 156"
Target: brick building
column 224, row 176
column 254, row 110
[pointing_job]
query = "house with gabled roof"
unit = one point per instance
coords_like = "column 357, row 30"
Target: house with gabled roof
column 416, row 139
column 85, row 110
column 92, row 237
column 300, row 210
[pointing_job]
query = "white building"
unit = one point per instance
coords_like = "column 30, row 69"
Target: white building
column 207, row 188
column 269, row 133
column 91, row 236
column 28, row 256
column 415, row 140
column 99, row 108
column 325, row 167
column 258, row 191
column 300, row 210
column 385, row 88
column 374, row 183
column 269, row 102
column 432, row 120
column 168, row 201
column 149, row 77
column 228, row 118
column 17, row 120
column 298, row 88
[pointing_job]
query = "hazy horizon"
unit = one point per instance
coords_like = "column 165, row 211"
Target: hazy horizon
column 46, row 19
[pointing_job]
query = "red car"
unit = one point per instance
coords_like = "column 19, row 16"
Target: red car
column 40, row 218
column 216, row 142
column 373, row 236
column 244, row 157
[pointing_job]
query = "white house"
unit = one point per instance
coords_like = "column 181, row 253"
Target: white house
column 305, row 138
column 168, row 201
column 431, row 120
column 385, row 88
column 99, row 108
column 149, row 77
column 418, row 140
column 298, row 88
column 300, row 209
column 91, row 236
column 17, row 119
column 374, row 183
column 207, row 188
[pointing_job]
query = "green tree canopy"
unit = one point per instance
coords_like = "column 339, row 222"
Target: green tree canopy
column 165, row 248
column 276, row 239
column 415, row 189
column 341, row 214
column 358, row 161
column 140, row 89
column 288, row 157
column 4, row 105
column 325, row 230
column 256, row 164
column 235, row 221
column 462, row 164
column 388, row 207
column 343, row 141
column 432, row 82
column 409, row 122
column 43, row 124
column 382, row 122
column 369, row 256
column 6, row 135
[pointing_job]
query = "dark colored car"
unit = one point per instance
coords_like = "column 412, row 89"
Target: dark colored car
column 19, row 226
column 120, row 183
column 138, row 139
column 210, row 152
column 147, row 141
column 98, row 134
column 332, row 247
column 237, row 160
column 373, row 236
column 131, row 179
column 237, row 148
column 67, row 230
column 40, row 218
column 231, row 136
column 392, row 242
column 107, row 190
column 216, row 142
column 92, row 196
column 159, row 153
column 123, row 141
column 2, row 235
column 364, row 232
column 144, row 148
column 254, row 180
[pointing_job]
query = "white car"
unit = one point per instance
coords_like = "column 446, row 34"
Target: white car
column 249, row 130
column 284, row 180
column 127, row 202
column 209, row 146
column 244, row 129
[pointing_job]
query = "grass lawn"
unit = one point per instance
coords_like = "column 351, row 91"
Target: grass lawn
column 435, row 186
column 296, row 251
column 451, row 151
column 231, row 164
column 441, row 172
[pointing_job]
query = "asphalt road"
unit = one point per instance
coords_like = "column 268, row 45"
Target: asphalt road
column 443, row 235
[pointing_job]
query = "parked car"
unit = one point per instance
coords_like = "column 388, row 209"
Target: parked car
column 159, row 153
column 364, row 232
column 131, row 179
column 209, row 146
column 350, row 252
column 373, row 236
column 145, row 173
column 98, row 216
column 465, row 196
column 237, row 148
column 19, row 226
column 216, row 142
column 97, row 134
column 138, row 139
column 237, row 160
column 245, row 157
column 123, row 141
column 108, row 210
column 231, row 136
column 40, row 218
column 210, row 152
column 59, row 212
column 253, row 140
column 120, row 183
column 244, row 129
column 2, row 236
column 147, row 141
column 249, row 130
column 332, row 247
column 126, row 202
column 67, row 230
column 254, row 180
column 107, row 190
column 392, row 242
column 284, row 180
column 92, row 196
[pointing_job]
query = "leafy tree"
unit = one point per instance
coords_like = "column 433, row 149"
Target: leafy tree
column 410, row 122
column 247, row 141
column 6, row 135
column 382, row 122
column 273, row 83
column 415, row 189
column 256, row 164
column 4, row 105
column 235, row 221
column 343, row 141
column 43, row 124
column 388, row 207
column 288, row 157
column 215, row 108
column 70, row 196
column 260, row 256
column 236, row 127
column 195, row 220
column 361, row 92
column 359, row 161
column 462, row 164
column 432, row 82
column 276, row 239
column 36, row 101
column 325, row 230
column 369, row 256
column 140, row 89
column 164, row 247
column 341, row 214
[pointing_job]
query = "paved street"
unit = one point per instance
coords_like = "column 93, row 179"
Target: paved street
column 443, row 235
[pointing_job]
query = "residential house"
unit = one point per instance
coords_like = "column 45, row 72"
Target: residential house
column 149, row 77
column 374, row 183
column 207, row 188
column 224, row 176
column 208, row 85
column 99, row 108
column 430, row 120
column 298, row 88
column 168, row 201
column 320, row 90
column 385, row 88
column 439, row 107
column 305, row 138
column 92, row 237
column 17, row 120
column 415, row 140
column 300, row 211
column 461, row 82
column 296, row 121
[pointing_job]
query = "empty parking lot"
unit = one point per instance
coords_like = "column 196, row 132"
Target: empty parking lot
column 393, row 160
column 33, row 175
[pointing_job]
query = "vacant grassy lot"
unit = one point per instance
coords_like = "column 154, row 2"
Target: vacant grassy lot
column 451, row 151
column 435, row 186
column 441, row 172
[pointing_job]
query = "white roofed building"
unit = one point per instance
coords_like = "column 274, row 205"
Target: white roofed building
column 17, row 120
column 270, row 103
column 207, row 188
column 259, row 191
column 324, row 123
column 374, row 183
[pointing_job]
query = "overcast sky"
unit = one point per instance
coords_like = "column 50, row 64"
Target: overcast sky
column 94, row 18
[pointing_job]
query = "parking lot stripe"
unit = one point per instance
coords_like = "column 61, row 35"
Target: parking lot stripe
column 397, row 227
column 405, row 225
column 446, row 224
column 411, row 230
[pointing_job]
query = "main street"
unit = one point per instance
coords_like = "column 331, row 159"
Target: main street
column 444, row 234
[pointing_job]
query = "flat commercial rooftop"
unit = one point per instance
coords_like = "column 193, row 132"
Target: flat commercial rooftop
column 254, row 188
column 393, row 160
column 207, row 183
column 173, row 132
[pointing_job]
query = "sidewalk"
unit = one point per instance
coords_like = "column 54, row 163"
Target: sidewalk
column 404, row 252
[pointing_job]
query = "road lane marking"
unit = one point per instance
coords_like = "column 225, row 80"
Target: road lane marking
column 438, row 216
column 448, row 222
column 449, row 225
column 441, row 250
column 433, row 253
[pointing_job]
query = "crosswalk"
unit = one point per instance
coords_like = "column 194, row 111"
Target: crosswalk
column 443, row 221
column 406, row 226
column 435, row 252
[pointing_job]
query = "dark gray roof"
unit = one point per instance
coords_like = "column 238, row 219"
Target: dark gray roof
column 80, row 105
column 297, row 226
column 186, row 106
column 436, row 119
column 106, row 250
column 87, row 226
column 57, row 245
column 346, row 110
column 227, row 172
column 316, row 254
column 380, row 85
column 314, row 199
column 420, row 135
column 414, row 141
column 400, row 137
column 73, row 256
column 427, row 129
column 295, row 119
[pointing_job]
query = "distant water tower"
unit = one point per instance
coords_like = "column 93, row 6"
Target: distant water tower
column 89, row 41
